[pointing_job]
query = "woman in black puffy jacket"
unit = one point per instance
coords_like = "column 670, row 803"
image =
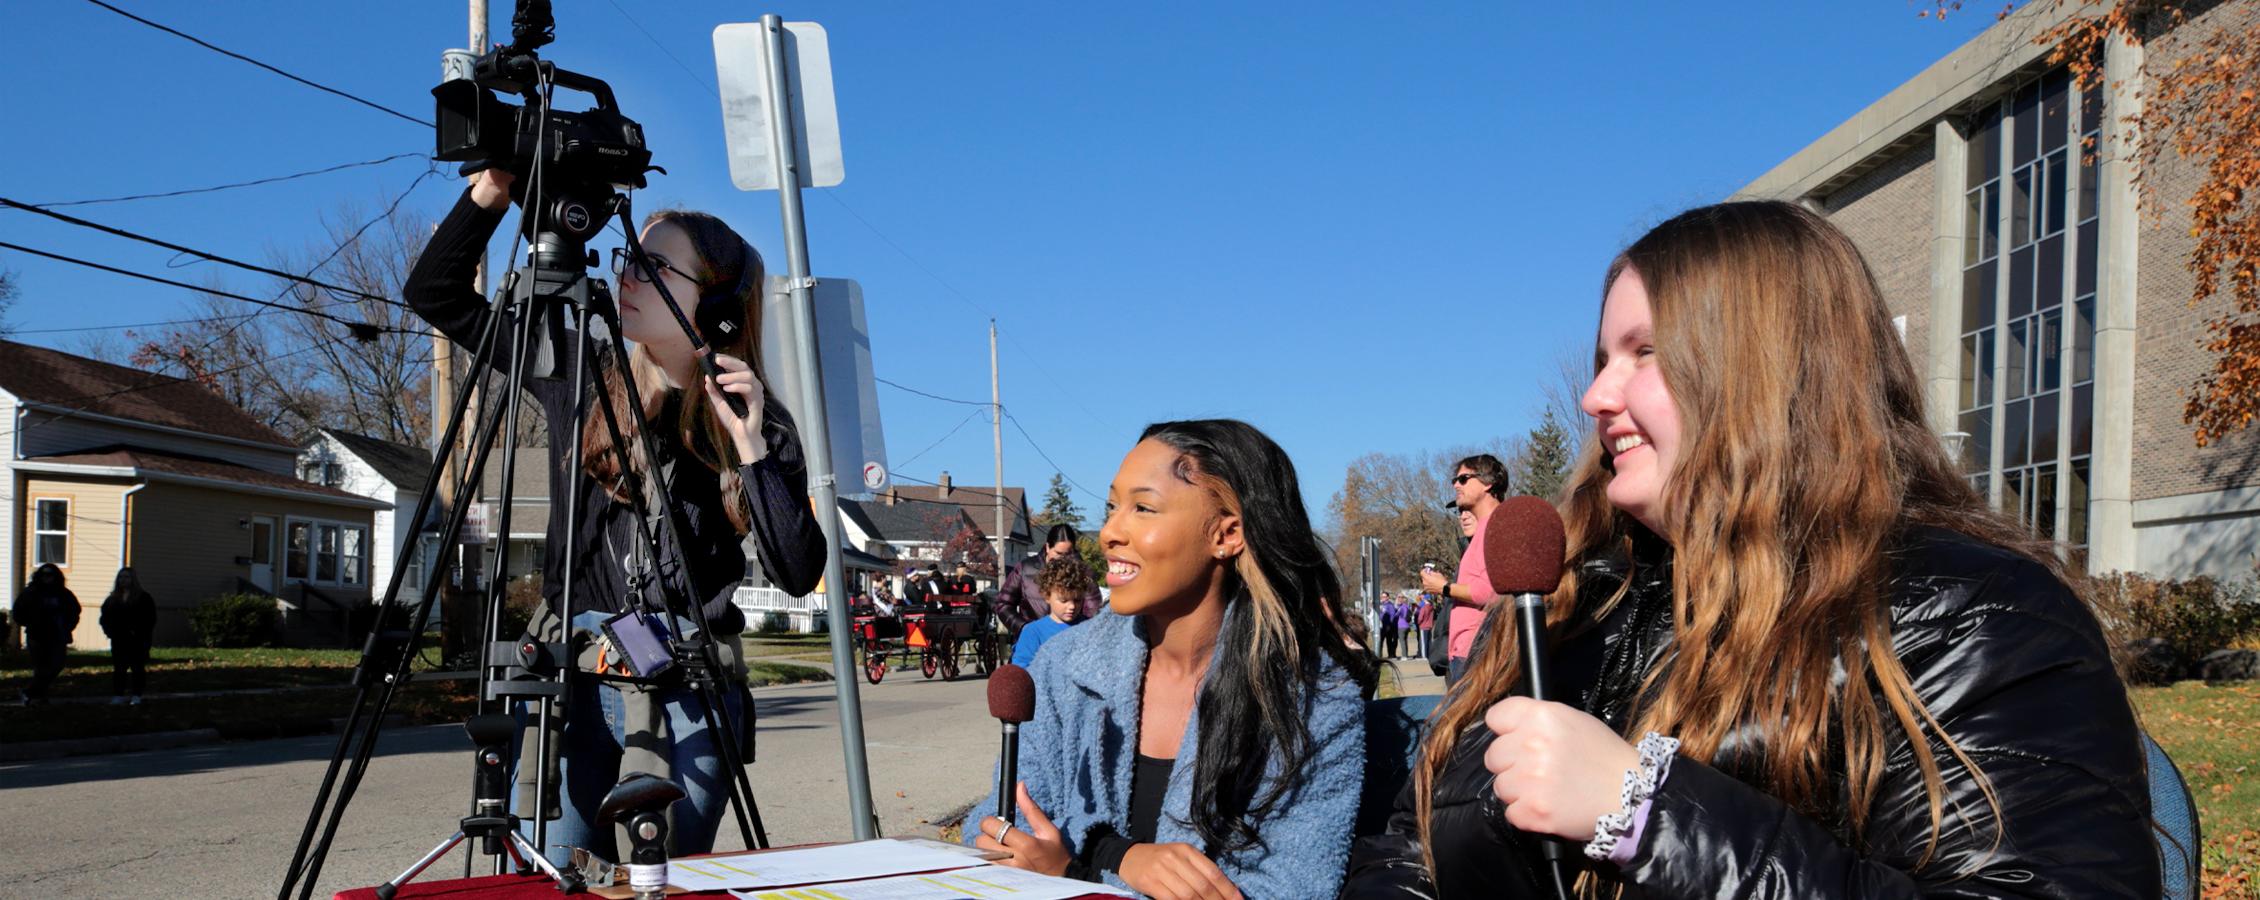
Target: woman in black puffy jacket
column 1777, row 577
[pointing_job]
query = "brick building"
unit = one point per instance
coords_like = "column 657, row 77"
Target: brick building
column 2044, row 293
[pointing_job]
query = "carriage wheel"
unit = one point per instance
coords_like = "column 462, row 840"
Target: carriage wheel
column 950, row 668
column 986, row 653
column 874, row 665
column 928, row 662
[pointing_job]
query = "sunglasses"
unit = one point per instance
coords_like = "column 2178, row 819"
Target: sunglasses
column 624, row 266
column 1462, row 478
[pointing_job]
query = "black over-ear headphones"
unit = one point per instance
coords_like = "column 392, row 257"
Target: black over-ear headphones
column 721, row 312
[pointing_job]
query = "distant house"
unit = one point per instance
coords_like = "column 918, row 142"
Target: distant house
column 379, row 470
column 111, row 466
column 980, row 507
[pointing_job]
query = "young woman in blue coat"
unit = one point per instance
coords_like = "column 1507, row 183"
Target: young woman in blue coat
column 1205, row 736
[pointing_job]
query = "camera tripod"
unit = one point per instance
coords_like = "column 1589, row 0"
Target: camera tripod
column 549, row 305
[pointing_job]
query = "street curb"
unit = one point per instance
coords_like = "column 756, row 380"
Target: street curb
column 156, row 740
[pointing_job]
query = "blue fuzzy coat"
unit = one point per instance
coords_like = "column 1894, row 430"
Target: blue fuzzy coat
column 1077, row 754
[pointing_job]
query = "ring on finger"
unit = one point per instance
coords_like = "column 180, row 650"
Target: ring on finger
column 1003, row 828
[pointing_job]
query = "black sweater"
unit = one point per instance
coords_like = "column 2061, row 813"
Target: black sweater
column 790, row 544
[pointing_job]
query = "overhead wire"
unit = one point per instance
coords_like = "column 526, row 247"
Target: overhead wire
column 969, row 417
column 227, row 187
column 232, row 54
column 223, row 260
column 358, row 328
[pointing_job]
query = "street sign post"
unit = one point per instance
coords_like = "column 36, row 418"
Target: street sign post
column 776, row 86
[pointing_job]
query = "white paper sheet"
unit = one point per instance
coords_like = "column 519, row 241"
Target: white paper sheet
column 837, row 862
column 980, row 883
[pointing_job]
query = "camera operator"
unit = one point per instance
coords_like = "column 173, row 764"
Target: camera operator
column 727, row 475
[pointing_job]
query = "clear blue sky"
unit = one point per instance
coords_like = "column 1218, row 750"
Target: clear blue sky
column 1322, row 218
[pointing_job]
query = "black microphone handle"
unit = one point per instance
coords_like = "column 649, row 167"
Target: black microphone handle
column 1008, row 773
column 1531, row 628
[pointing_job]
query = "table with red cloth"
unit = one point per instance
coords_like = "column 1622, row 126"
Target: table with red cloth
column 539, row 887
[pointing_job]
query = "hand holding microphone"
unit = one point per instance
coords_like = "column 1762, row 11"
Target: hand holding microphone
column 1557, row 768
column 1039, row 847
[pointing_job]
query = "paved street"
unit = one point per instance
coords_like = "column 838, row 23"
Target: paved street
column 219, row 821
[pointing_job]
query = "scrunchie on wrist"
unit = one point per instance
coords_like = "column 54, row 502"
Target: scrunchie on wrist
column 1640, row 783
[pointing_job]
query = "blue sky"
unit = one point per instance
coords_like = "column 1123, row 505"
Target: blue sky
column 1360, row 228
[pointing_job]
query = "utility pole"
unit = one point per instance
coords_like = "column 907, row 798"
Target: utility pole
column 996, row 436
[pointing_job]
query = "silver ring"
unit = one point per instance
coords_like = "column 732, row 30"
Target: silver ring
column 1003, row 828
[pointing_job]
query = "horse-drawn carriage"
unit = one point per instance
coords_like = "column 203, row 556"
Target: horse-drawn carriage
column 946, row 635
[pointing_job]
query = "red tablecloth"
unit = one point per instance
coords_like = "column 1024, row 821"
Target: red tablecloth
column 490, row 887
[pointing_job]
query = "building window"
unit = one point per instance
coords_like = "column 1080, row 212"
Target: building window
column 326, row 552
column 2028, row 304
column 51, row 533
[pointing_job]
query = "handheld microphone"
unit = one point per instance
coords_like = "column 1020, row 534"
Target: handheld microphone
column 1523, row 544
column 1012, row 699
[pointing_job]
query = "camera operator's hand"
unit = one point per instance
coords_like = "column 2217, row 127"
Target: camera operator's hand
column 490, row 189
column 738, row 378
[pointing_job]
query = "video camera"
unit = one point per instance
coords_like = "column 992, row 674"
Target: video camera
column 581, row 155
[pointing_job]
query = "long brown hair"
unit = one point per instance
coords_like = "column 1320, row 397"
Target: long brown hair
column 1770, row 537
column 723, row 257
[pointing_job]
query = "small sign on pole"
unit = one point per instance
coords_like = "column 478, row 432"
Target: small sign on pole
column 749, row 113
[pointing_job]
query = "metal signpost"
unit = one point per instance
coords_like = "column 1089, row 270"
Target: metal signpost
column 783, row 134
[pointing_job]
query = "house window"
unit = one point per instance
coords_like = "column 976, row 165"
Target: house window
column 354, row 547
column 51, row 533
column 326, row 552
column 299, row 538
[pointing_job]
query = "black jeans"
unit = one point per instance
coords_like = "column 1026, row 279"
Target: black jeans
column 46, row 663
column 129, row 669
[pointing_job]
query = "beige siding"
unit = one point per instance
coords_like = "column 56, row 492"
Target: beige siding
column 187, row 542
column 2170, row 355
column 94, row 553
column 1889, row 214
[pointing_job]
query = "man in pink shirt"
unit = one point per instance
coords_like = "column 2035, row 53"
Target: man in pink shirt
column 1479, row 482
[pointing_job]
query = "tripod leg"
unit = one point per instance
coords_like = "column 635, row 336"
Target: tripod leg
column 522, row 851
column 389, row 888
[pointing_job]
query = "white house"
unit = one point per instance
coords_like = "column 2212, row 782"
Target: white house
column 379, row 470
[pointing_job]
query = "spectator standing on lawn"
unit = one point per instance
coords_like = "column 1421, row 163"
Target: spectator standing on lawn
column 129, row 617
column 1423, row 618
column 1064, row 588
column 48, row 612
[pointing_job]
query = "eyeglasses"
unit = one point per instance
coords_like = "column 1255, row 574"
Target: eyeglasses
column 1462, row 478
column 624, row 267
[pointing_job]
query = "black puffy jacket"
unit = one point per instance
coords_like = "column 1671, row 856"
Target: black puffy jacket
column 2002, row 654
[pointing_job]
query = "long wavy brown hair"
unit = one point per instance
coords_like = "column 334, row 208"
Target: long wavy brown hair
column 722, row 258
column 1804, row 452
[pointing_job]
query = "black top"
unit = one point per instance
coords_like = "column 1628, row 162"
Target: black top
column 790, row 544
column 1103, row 852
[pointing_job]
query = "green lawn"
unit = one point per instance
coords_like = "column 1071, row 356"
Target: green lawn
column 2213, row 734
column 788, row 645
column 315, row 685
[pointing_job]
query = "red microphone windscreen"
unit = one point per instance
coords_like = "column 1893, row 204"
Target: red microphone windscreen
column 1012, row 694
column 1523, row 543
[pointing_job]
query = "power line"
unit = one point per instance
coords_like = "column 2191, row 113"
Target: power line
column 1015, row 420
column 358, row 328
column 278, row 273
column 901, row 387
column 125, row 325
column 969, row 417
column 663, row 48
column 240, row 184
column 230, row 53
